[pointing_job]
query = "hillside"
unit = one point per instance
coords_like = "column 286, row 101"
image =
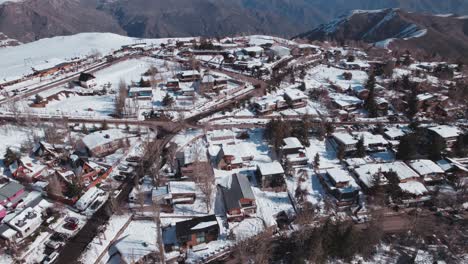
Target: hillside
column 28, row 20
column 443, row 35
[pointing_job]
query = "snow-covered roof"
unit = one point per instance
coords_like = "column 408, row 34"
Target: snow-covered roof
column 204, row 225
column 425, row 167
column 208, row 78
column 140, row 89
column 366, row 172
column 370, row 139
column 295, row 94
column 339, row 175
column 394, row 132
column 26, row 221
column 270, row 168
column 255, row 49
column 224, row 133
column 345, row 138
column 424, row 96
column 102, row 137
column 291, row 143
column 189, row 73
column 181, row 187
column 446, row 131
column 413, row 187
column 345, row 100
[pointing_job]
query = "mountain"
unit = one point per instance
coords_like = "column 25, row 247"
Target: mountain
column 30, row 20
column 443, row 35
column 27, row 20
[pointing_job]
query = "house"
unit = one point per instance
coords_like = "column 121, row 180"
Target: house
column 448, row 134
column 429, row 171
column 254, row 51
column 26, row 222
column 238, row 197
column 394, row 133
column 345, row 140
column 348, row 141
column 207, row 83
column 87, row 80
column 197, row 231
column 295, row 98
column 221, row 135
column 341, row 186
column 182, row 192
column 280, row 51
column 268, row 104
column 11, row 194
column 189, row 76
column 161, row 196
column 141, row 93
column 367, row 173
column 28, row 170
column 233, row 156
column 305, row 49
column 345, row 102
column 271, row 175
column 172, row 84
column 415, row 192
column 453, row 169
column 293, row 152
column 355, row 65
column 104, row 142
column 360, row 92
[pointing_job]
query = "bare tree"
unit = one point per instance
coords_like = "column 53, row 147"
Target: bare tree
column 55, row 187
column 204, row 177
column 121, row 96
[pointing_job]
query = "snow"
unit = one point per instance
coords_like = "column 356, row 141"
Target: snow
column 270, row 168
column 366, row 172
column 247, row 228
column 425, row 167
column 101, row 242
column 269, row 204
column 138, row 240
column 446, row 131
column 322, row 75
column 17, row 61
column 413, row 187
column 204, row 225
column 339, row 175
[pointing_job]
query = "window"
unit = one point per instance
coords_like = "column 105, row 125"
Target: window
column 200, row 237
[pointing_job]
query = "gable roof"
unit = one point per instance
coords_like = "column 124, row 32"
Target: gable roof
column 184, row 228
column 240, row 189
column 270, row 168
column 84, row 77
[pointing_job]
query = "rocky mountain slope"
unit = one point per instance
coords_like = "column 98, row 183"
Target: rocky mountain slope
column 27, row 20
column 443, row 35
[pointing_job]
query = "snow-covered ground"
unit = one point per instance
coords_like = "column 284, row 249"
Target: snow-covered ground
column 18, row 61
column 100, row 243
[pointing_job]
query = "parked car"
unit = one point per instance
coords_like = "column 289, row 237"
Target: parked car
column 70, row 226
column 72, row 220
column 53, row 244
column 51, row 258
column 60, row 237
column 120, row 177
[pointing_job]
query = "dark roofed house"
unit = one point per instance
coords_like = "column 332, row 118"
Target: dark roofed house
column 239, row 199
column 11, row 193
column 87, row 80
column 196, row 231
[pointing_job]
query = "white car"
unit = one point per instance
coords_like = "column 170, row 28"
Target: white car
column 51, row 258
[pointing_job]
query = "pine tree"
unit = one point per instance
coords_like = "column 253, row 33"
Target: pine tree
column 407, row 149
column 370, row 105
column 84, row 129
column 341, row 152
column 167, row 100
column 460, row 146
column 10, row 157
column 361, row 148
column 436, row 148
column 317, row 161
